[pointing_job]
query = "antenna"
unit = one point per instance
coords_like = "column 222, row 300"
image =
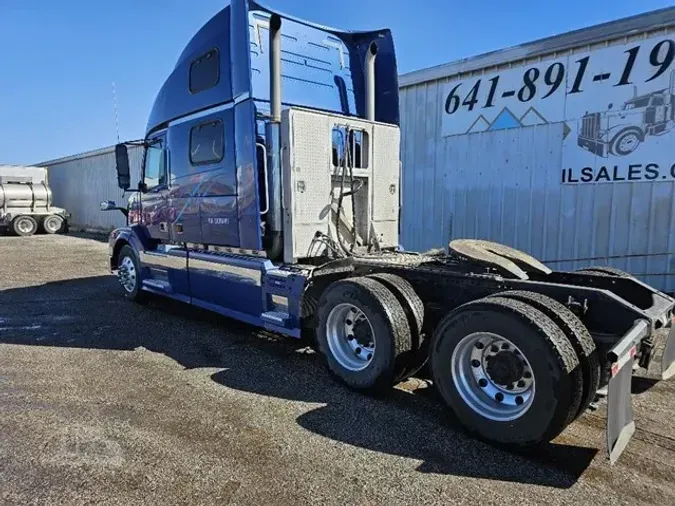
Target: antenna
column 117, row 125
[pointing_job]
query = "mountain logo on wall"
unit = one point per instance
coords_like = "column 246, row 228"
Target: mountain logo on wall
column 532, row 117
column 480, row 125
column 505, row 119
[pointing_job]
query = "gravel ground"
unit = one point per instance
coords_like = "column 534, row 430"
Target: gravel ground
column 105, row 401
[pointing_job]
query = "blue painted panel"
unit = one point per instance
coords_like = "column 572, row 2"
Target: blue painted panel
column 239, row 49
column 226, row 280
column 177, row 272
column 322, row 67
column 248, row 202
column 219, row 221
column 230, row 313
column 185, row 218
column 174, row 98
column 181, row 167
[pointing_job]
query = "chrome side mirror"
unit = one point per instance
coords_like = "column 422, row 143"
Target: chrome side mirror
column 108, row 205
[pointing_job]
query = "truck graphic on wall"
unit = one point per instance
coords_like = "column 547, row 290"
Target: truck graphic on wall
column 619, row 133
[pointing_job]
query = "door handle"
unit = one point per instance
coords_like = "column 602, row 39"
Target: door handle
column 162, row 226
column 178, row 227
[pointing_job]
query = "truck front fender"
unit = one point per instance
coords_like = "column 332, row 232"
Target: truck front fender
column 135, row 236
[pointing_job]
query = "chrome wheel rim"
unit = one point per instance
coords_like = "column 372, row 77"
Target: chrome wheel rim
column 126, row 274
column 350, row 337
column 25, row 226
column 493, row 376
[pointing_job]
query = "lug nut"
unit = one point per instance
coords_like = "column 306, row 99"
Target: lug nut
column 505, row 346
column 358, row 350
column 350, row 337
column 494, row 349
column 509, row 387
column 499, row 397
column 519, row 400
column 370, row 355
column 527, row 375
column 348, row 322
column 482, row 382
column 480, row 345
column 475, row 363
column 521, row 384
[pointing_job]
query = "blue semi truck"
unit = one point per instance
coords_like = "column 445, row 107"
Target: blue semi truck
column 270, row 193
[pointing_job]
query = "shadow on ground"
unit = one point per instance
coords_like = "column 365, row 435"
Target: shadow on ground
column 90, row 313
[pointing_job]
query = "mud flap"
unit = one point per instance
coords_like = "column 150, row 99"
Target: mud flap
column 668, row 360
column 620, row 423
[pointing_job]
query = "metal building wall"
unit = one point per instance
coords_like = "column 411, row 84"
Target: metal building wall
column 81, row 182
column 504, row 185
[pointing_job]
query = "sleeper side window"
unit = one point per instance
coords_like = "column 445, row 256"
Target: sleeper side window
column 205, row 71
column 206, row 143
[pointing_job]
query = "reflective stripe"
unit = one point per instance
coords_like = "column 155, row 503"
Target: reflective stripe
column 209, row 111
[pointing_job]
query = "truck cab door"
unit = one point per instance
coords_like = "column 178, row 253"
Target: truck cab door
column 154, row 208
column 167, row 263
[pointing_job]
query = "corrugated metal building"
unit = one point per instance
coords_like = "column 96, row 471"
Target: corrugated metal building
column 81, row 182
column 563, row 147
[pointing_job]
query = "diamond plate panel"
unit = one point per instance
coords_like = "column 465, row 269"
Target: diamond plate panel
column 386, row 184
column 309, row 177
column 307, row 155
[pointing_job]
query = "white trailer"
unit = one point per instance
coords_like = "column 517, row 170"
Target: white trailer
column 26, row 202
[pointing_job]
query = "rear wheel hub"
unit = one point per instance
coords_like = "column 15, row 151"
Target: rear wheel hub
column 505, row 368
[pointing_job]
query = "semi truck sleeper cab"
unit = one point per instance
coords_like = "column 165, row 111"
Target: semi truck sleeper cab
column 270, row 193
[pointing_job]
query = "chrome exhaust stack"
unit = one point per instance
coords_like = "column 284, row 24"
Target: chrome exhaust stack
column 275, row 67
column 273, row 240
column 370, row 81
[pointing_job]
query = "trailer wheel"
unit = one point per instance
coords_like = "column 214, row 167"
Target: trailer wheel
column 577, row 334
column 52, row 224
column 414, row 310
column 507, row 370
column 609, row 271
column 24, row 226
column 129, row 275
column 363, row 334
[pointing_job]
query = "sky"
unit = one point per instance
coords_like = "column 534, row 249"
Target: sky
column 59, row 59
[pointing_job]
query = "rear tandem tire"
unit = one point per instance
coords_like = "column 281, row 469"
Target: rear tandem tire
column 414, row 310
column 576, row 332
column 553, row 396
column 390, row 333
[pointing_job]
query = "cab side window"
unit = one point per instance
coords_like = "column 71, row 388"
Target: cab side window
column 155, row 166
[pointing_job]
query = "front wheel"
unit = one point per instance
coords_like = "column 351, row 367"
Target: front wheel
column 129, row 275
column 507, row 371
column 626, row 141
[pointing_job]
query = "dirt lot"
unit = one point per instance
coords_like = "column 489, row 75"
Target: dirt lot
column 105, row 401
